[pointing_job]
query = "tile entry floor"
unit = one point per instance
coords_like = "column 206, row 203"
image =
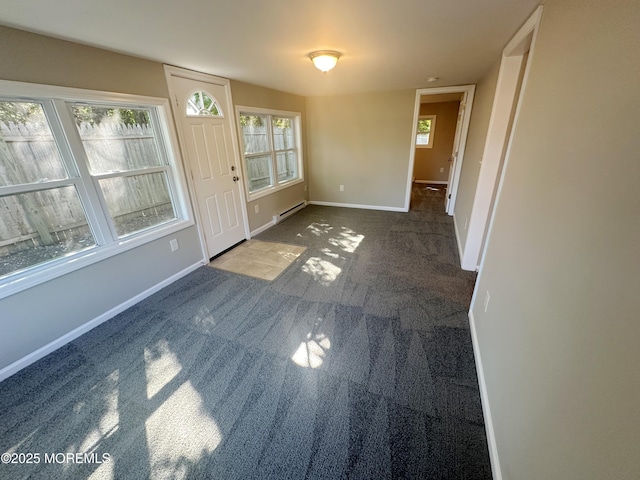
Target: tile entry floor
column 258, row 259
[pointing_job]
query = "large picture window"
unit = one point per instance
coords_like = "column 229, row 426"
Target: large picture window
column 124, row 157
column 271, row 149
column 81, row 179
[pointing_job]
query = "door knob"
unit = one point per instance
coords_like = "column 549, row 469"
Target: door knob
column 235, row 179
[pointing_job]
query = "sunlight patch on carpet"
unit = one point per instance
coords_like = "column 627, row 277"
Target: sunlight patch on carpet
column 180, row 433
column 312, row 352
column 322, row 271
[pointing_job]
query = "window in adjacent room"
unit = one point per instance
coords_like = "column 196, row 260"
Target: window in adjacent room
column 426, row 131
column 271, row 149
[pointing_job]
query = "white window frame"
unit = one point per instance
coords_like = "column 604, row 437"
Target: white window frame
column 432, row 133
column 214, row 101
column 56, row 102
column 297, row 132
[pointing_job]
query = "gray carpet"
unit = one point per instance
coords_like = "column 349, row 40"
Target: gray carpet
column 355, row 363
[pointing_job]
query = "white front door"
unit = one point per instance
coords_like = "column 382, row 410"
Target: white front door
column 205, row 117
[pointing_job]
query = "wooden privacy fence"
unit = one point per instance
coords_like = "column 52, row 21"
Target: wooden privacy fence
column 258, row 169
column 28, row 154
column 259, row 166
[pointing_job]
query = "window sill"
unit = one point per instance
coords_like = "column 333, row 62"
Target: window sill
column 37, row 275
column 268, row 191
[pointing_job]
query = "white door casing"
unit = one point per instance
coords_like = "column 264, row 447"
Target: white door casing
column 452, row 188
column 210, row 148
column 516, row 56
column 454, row 153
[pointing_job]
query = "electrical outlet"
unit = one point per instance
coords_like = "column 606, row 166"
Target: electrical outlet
column 342, row 188
column 487, row 297
column 257, row 208
column 441, row 169
column 305, row 188
column 174, row 244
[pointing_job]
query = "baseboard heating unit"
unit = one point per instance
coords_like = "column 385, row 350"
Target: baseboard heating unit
column 287, row 213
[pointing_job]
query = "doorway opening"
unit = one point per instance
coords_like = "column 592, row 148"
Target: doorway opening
column 441, row 122
column 512, row 79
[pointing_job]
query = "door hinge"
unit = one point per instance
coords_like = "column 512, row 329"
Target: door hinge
column 177, row 101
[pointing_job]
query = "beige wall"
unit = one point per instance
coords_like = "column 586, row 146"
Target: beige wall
column 429, row 161
column 478, row 127
column 34, row 58
column 249, row 95
column 560, row 340
column 361, row 141
column 35, row 317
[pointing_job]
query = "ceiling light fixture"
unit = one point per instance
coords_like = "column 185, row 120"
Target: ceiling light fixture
column 433, row 79
column 324, row 60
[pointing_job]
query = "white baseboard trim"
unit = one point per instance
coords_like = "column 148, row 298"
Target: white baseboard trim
column 261, row 229
column 484, row 397
column 435, row 182
column 27, row 360
column 353, row 205
column 455, row 229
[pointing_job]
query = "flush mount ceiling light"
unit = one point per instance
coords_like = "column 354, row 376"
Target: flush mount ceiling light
column 324, row 60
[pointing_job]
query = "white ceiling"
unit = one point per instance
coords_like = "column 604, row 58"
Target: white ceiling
column 386, row 44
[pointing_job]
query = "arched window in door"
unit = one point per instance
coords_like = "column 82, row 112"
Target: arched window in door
column 201, row 104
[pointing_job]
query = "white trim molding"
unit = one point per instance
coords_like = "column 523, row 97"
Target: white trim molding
column 499, row 134
column 354, row 205
column 458, row 239
column 484, row 398
column 432, row 182
column 263, row 228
